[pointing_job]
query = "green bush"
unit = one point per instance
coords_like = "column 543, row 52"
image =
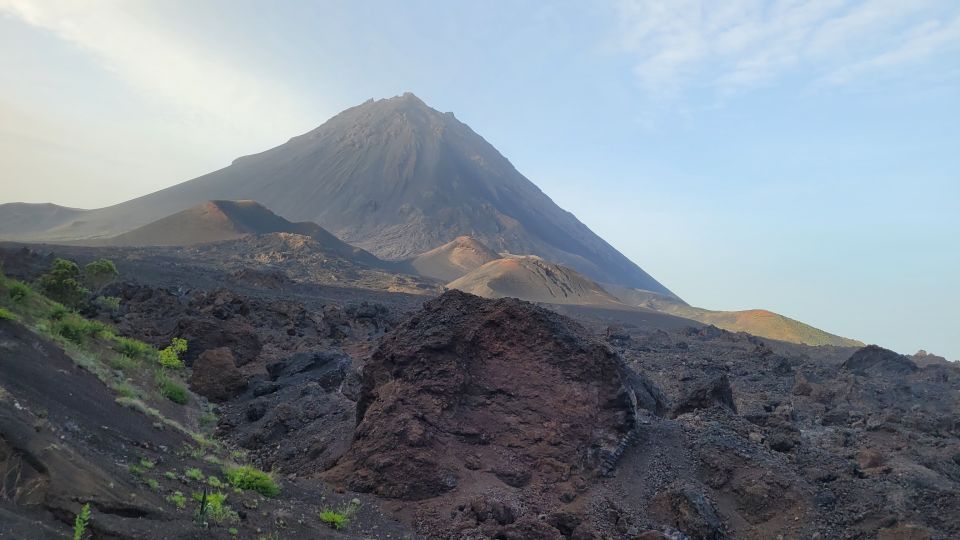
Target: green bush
column 62, row 283
column 76, row 329
column 178, row 500
column 214, row 506
column 7, row 315
column 174, row 391
column 19, row 291
column 133, row 348
column 99, row 273
column 169, row 357
column 194, row 473
column 334, row 519
column 58, row 312
column 253, row 479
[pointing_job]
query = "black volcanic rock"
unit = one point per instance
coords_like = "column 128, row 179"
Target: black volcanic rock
column 877, row 360
column 396, row 178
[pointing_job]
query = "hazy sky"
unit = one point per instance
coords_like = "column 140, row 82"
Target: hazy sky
column 801, row 156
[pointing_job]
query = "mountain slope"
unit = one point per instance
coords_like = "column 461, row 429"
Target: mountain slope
column 397, row 178
column 453, row 259
column 535, row 280
column 218, row 221
column 758, row 322
column 26, row 218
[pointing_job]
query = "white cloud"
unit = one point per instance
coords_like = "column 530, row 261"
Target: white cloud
column 732, row 46
column 194, row 84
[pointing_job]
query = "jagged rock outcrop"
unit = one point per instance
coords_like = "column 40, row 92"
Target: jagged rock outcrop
column 470, row 388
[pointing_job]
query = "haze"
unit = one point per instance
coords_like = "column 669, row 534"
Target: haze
column 797, row 156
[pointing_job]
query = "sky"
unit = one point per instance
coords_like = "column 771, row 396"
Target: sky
column 798, row 156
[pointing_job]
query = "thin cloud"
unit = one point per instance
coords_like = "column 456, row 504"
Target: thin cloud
column 731, row 47
column 196, row 85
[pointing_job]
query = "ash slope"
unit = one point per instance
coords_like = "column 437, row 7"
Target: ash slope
column 395, row 177
column 453, row 259
column 535, row 280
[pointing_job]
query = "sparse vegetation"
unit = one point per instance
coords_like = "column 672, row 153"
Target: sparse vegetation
column 214, row 506
column 194, row 473
column 339, row 519
column 215, row 482
column 170, row 475
column 178, row 500
column 133, row 348
column 152, row 484
column 172, row 390
column 81, row 522
column 77, row 329
column 107, row 303
column 250, row 478
column 7, row 315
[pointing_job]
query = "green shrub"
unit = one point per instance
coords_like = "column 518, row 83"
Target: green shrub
column 214, row 506
column 126, row 390
column 175, row 392
column 62, row 283
column 169, row 357
column 170, row 475
column 194, row 473
column 253, row 479
column 215, row 482
column 233, row 531
column 19, row 291
column 58, row 312
column 107, row 303
column 334, row 519
column 7, row 315
column 76, row 329
column 133, row 348
column 178, row 500
column 152, row 484
column 81, row 522
column 99, row 273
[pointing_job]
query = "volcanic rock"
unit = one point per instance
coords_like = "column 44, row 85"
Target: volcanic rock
column 716, row 391
column 874, row 360
column 517, row 388
column 215, row 375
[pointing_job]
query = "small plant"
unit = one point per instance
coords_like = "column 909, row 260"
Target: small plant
column 194, row 473
column 6, row 315
column 126, row 390
column 152, row 484
column 214, row 506
column 170, row 475
column 58, row 312
column 338, row 519
column 107, row 303
column 76, row 329
column 233, row 531
column 169, row 357
column 19, row 291
column 81, row 522
column 147, row 464
column 215, row 482
column 253, row 479
column 178, row 500
column 172, row 390
column 133, row 348
column 334, row 519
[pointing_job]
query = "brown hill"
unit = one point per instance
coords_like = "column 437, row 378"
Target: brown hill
column 218, row 221
column 453, row 259
column 758, row 322
column 533, row 279
column 392, row 176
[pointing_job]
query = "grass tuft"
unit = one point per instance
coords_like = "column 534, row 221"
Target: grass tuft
column 250, row 478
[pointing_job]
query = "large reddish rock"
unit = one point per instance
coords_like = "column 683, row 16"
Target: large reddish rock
column 215, row 375
column 472, row 392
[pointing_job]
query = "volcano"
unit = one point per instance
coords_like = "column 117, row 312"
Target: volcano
column 392, row 176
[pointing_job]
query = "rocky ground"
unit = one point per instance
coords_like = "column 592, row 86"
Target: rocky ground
column 471, row 418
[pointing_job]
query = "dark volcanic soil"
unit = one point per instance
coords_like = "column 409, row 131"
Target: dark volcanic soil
column 472, row 418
